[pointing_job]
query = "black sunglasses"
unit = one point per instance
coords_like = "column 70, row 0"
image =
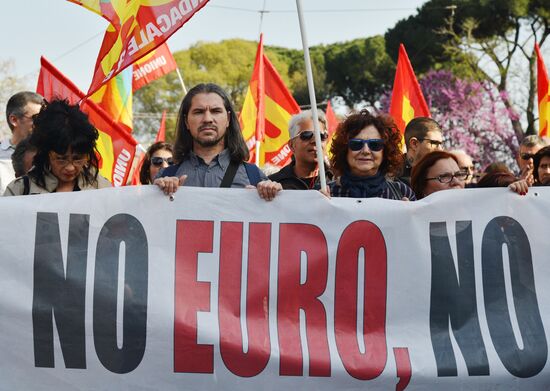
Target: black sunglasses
column 374, row 144
column 157, row 161
column 527, row 156
column 306, row 135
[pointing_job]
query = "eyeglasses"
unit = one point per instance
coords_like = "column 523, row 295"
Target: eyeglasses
column 433, row 143
column 76, row 160
column 448, row 177
column 374, row 144
column 157, row 161
column 306, row 135
column 527, row 156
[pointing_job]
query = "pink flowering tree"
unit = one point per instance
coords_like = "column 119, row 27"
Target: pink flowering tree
column 472, row 115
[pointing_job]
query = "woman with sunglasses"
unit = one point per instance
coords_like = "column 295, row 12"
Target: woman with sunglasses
column 157, row 157
column 365, row 156
column 65, row 157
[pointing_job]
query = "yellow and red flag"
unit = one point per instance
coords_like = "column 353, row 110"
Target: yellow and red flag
column 136, row 27
column 115, row 97
column 267, row 108
column 543, row 87
column 332, row 124
column 115, row 146
column 150, row 67
column 407, row 101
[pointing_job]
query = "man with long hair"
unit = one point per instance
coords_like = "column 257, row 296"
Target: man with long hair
column 210, row 150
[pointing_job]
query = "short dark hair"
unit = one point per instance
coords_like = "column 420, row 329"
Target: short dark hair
column 234, row 140
column 16, row 104
column 419, row 127
column 543, row 152
column 145, row 171
column 60, row 126
column 419, row 172
column 353, row 124
column 18, row 156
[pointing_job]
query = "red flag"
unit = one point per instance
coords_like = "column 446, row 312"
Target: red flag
column 115, row 146
column 332, row 121
column 407, row 101
column 136, row 27
column 267, row 108
column 152, row 66
column 543, row 87
column 161, row 134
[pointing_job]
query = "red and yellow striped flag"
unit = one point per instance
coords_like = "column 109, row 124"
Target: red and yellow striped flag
column 543, row 87
column 136, row 27
column 407, row 101
column 115, row 146
column 267, row 108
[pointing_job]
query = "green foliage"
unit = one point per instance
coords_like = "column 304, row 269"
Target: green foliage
column 359, row 70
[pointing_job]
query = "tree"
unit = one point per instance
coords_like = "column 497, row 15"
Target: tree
column 9, row 85
column 359, row 70
column 473, row 116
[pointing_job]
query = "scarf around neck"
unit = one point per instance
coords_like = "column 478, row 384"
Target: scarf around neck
column 363, row 187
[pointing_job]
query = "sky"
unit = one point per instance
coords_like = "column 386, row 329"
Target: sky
column 70, row 36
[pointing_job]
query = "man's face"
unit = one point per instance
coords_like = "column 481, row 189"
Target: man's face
column 23, row 124
column 466, row 164
column 304, row 149
column 421, row 147
column 544, row 171
column 207, row 119
column 525, row 157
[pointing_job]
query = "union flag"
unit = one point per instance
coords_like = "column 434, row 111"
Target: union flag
column 115, row 146
column 267, row 108
column 136, row 27
column 543, row 88
column 407, row 101
column 150, row 67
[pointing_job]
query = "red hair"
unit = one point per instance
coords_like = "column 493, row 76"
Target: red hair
column 392, row 159
column 419, row 172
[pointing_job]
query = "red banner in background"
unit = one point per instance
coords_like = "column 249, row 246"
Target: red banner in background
column 115, row 146
column 152, row 66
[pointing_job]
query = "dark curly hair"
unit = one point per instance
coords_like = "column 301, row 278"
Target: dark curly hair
column 393, row 157
column 58, row 127
column 145, row 171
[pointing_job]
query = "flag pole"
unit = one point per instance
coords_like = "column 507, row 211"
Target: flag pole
column 311, row 88
column 181, row 81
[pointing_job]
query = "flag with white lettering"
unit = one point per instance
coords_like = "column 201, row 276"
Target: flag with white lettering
column 136, row 27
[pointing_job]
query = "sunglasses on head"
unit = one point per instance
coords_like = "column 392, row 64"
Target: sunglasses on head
column 527, row 156
column 374, row 144
column 157, row 161
column 306, row 135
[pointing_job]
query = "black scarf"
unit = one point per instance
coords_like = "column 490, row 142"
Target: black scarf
column 363, row 187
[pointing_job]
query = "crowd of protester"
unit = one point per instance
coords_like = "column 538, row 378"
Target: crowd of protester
column 53, row 149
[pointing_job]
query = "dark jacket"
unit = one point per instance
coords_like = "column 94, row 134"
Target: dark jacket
column 288, row 179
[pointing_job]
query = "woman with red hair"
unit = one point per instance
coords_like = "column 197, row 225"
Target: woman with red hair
column 365, row 156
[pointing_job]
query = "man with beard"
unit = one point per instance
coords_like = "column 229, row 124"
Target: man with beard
column 303, row 172
column 209, row 150
column 541, row 167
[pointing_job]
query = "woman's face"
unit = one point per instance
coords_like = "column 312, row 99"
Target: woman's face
column 544, row 171
column 365, row 162
column 443, row 169
column 159, row 160
column 68, row 166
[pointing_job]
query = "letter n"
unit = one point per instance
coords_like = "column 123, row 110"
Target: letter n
column 454, row 298
column 59, row 293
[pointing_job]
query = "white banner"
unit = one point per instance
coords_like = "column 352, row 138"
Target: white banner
column 123, row 289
